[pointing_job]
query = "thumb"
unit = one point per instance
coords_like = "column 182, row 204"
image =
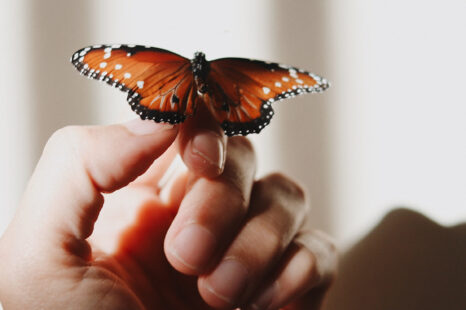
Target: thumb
column 63, row 197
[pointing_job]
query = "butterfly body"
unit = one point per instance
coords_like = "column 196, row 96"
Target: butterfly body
column 166, row 87
column 201, row 68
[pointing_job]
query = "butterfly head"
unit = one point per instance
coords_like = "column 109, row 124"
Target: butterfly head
column 199, row 54
column 201, row 68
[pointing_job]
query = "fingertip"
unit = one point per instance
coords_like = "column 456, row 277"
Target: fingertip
column 191, row 250
column 211, row 296
column 204, row 154
column 131, row 147
column 202, row 144
column 226, row 284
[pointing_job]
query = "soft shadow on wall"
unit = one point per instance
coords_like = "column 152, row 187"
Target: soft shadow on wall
column 407, row 262
column 301, row 137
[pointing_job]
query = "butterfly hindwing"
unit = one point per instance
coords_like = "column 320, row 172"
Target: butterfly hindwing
column 242, row 91
column 159, row 83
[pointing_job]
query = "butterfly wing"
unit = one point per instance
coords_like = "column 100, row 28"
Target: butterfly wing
column 159, row 83
column 241, row 91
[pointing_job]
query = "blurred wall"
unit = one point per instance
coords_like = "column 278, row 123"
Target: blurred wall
column 15, row 119
column 397, row 111
column 390, row 131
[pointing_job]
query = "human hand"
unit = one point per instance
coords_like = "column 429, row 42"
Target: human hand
column 242, row 236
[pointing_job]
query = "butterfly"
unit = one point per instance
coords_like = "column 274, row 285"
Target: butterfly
column 166, row 87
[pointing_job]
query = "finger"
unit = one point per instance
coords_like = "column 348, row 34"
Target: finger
column 276, row 212
column 177, row 191
column 202, row 144
column 157, row 170
column 211, row 211
column 63, row 198
column 305, row 273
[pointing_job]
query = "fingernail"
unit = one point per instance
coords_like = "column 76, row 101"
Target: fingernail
column 228, row 281
column 194, row 246
column 265, row 299
column 209, row 147
column 146, row 127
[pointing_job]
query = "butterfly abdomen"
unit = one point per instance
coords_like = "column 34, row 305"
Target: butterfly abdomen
column 201, row 69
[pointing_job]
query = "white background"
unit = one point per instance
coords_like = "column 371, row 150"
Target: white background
column 389, row 133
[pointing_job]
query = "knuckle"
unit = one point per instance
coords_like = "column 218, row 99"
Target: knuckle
column 66, row 136
column 285, row 220
column 323, row 251
column 313, row 272
column 69, row 132
column 242, row 144
column 236, row 195
column 241, row 141
column 287, row 186
column 281, row 202
column 272, row 234
column 67, row 142
column 263, row 241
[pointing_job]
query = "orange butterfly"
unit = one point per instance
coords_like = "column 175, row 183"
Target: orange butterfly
column 166, row 87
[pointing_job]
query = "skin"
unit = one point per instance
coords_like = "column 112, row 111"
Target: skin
column 219, row 239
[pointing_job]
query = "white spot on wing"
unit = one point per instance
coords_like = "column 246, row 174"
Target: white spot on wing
column 285, row 79
column 107, row 55
column 108, row 50
column 299, row 81
column 140, row 84
column 293, row 73
column 103, row 64
column 266, row 90
column 127, row 75
column 278, row 84
column 118, row 67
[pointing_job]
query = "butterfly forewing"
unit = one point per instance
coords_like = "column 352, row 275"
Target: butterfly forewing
column 244, row 89
column 156, row 80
